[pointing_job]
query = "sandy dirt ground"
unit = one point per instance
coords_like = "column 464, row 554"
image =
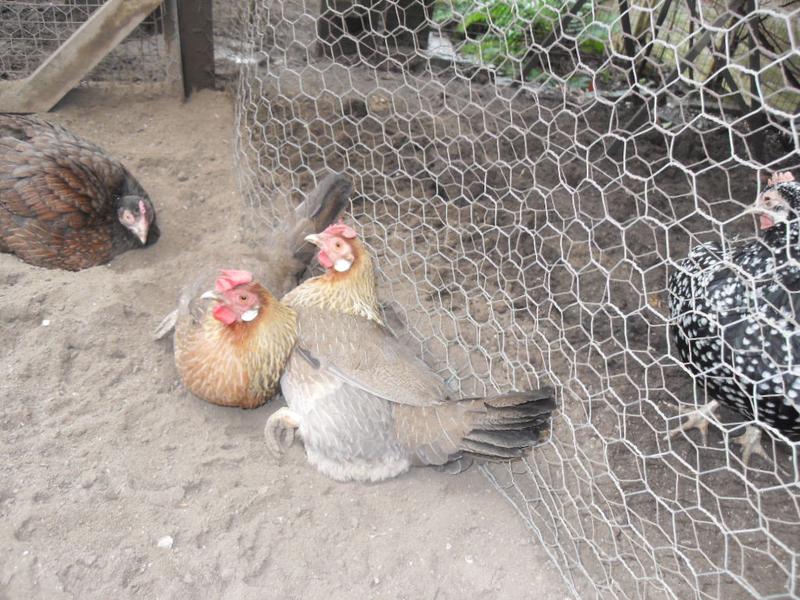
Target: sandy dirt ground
column 104, row 453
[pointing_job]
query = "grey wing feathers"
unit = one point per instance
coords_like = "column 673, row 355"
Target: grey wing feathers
column 191, row 307
column 367, row 356
column 290, row 251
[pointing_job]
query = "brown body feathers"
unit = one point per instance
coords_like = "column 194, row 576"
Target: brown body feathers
column 62, row 198
column 239, row 364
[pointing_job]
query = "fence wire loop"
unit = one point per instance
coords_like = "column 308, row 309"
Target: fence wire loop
column 31, row 30
column 528, row 175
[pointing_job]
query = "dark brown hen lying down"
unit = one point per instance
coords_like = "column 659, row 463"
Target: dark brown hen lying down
column 64, row 203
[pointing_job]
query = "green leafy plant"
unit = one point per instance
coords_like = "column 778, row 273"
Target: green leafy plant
column 500, row 32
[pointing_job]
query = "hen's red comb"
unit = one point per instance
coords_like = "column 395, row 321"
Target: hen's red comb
column 341, row 230
column 230, row 278
column 784, row 177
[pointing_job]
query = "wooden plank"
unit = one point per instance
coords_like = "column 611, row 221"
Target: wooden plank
column 628, row 42
column 662, row 16
column 172, row 41
column 64, row 69
column 195, row 22
column 642, row 115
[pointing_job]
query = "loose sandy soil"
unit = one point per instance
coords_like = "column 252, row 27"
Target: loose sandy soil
column 104, row 452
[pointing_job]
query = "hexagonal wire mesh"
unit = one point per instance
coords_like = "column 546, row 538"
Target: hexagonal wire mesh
column 525, row 232
column 32, row 30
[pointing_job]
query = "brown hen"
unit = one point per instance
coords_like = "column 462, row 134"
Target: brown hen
column 234, row 350
column 64, row 203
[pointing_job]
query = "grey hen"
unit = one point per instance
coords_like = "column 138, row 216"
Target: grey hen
column 366, row 408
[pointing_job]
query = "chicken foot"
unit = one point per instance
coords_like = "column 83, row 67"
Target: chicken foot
column 697, row 419
column 279, row 431
column 750, row 441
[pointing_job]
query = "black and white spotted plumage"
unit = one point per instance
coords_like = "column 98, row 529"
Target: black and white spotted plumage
column 736, row 313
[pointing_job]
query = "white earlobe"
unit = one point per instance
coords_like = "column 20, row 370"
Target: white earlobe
column 342, row 265
column 249, row 315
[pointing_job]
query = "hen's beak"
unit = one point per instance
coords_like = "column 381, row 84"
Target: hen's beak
column 315, row 239
column 766, row 217
column 211, row 295
column 139, row 229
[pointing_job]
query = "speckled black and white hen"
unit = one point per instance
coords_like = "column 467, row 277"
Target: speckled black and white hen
column 736, row 319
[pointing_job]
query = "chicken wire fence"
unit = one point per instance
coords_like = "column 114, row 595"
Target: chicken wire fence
column 527, row 175
column 31, row 30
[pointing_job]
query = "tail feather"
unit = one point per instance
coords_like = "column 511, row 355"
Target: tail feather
column 290, row 253
column 167, row 324
column 491, row 451
column 487, row 423
column 509, row 425
column 317, row 211
column 515, row 438
column 543, row 397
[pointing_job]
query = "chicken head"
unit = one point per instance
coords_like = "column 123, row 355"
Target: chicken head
column 136, row 214
column 779, row 202
column 237, row 301
column 336, row 250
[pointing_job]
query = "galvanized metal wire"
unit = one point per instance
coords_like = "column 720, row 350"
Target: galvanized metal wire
column 31, row 30
column 525, row 231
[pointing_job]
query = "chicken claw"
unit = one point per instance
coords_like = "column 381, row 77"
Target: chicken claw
column 280, row 431
column 698, row 419
column 750, row 441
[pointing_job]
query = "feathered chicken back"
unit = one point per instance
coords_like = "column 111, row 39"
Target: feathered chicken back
column 64, row 203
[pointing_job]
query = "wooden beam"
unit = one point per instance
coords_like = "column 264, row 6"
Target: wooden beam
column 83, row 50
column 196, row 25
column 172, row 42
column 662, row 16
column 628, row 42
column 641, row 116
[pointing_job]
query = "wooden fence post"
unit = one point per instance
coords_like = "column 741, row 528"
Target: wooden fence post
column 196, row 25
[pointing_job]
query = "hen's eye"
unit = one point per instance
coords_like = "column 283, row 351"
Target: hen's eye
column 243, row 298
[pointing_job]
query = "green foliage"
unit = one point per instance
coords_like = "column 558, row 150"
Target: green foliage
column 500, row 32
